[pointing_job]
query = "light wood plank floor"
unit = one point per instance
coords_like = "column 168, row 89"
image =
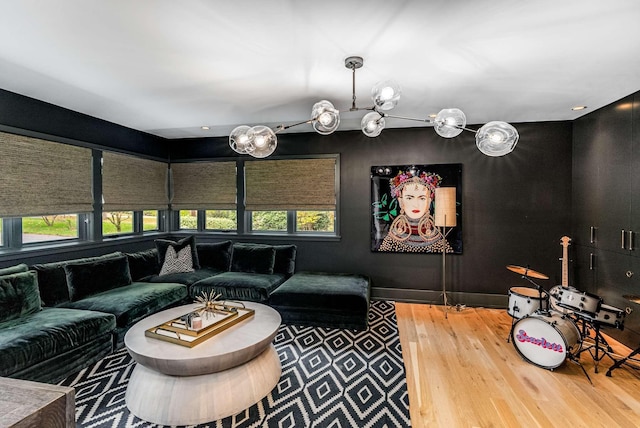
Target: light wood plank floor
column 461, row 372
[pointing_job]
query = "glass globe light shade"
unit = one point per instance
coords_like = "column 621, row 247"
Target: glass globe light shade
column 449, row 122
column 372, row 124
column 496, row 138
column 385, row 94
column 263, row 141
column 325, row 118
column 239, row 140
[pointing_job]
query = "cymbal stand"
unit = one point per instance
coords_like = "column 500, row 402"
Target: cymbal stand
column 626, row 360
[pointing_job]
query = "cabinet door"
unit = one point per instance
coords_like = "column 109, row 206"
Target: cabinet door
column 585, row 181
column 584, row 268
column 635, row 175
column 613, row 136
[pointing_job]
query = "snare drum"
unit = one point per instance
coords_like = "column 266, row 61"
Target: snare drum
column 554, row 299
column 609, row 315
column 578, row 301
column 524, row 301
column 546, row 340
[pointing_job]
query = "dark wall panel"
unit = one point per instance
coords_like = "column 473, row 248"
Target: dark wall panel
column 516, row 208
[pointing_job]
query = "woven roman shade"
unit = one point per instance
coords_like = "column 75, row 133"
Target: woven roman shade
column 39, row 177
column 204, row 186
column 296, row 184
column 131, row 183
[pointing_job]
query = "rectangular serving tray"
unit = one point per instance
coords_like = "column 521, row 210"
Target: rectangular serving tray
column 216, row 321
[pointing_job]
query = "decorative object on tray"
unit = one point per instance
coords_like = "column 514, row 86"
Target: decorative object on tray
column 202, row 323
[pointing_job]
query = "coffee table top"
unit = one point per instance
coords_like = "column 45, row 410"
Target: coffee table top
column 230, row 348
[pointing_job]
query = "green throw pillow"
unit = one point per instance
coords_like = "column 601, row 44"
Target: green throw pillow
column 19, row 295
column 253, row 258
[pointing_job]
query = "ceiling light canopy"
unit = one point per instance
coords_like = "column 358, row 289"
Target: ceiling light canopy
column 493, row 139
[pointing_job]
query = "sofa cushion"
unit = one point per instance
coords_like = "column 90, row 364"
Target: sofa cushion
column 14, row 269
column 19, row 295
column 143, row 264
column 215, row 255
column 88, row 278
column 177, row 262
column 133, row 302
column 43, row 335
column 186, row 278
column 190, row 241
column 52, row 279
column 254, row 287
column 253, row 258
column 285, row 261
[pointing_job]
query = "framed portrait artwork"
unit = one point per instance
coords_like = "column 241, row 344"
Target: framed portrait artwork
column 405, row 217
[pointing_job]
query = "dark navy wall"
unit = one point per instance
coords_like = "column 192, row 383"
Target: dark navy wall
column 515, row 208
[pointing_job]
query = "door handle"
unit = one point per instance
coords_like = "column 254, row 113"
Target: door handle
column 592, row 235
column 592, row 261
column 631, row 240
column 622, row 239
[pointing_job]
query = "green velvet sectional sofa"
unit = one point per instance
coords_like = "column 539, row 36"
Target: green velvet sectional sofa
column 57, row 318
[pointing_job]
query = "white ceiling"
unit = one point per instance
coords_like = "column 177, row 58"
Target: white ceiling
column 168, row 67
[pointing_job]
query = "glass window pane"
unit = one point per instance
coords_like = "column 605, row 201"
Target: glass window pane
column 49, row 228
column 221, row 220
column 188, row 219
column 150, row 220
column 269, row 220
column 117, row 222
column 0, row 232
column 315, row 221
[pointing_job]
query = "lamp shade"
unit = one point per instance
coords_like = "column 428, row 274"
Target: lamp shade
column 385, row 94
column 239, row 140
column 449, row 122
column 263, row 141
column 324, row 117
column 445, row 207
column 372, row 124
column 496, row 138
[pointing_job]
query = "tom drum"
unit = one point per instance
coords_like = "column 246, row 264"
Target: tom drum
column 546, row 340
column 572, row 299
column 524, row 301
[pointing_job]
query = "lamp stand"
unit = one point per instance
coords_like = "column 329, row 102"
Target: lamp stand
column 444, row 268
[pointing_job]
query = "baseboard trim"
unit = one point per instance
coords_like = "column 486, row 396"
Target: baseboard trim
column 498, row 301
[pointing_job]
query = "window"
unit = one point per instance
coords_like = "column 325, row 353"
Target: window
column 117, row 222
column 269, row 221
column 292, row 196
column 132, row 188
column 221, row 220
column 49, row 228
column 150, row 220
column 189, row 219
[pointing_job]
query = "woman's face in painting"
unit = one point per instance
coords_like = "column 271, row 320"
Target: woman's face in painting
column 415, row 200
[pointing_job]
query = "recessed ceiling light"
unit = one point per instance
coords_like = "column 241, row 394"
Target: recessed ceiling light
column 576, row 108
column 204, row 128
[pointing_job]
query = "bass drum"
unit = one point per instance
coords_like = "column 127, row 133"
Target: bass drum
column 524, row 301
column 546, row 340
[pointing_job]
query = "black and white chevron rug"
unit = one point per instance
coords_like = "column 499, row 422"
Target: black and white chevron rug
column 330, row 378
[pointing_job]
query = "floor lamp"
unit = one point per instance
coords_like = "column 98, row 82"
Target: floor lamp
column 445, row 216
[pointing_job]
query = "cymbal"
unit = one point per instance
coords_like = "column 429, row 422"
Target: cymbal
column 632, row 298
column 527, row 272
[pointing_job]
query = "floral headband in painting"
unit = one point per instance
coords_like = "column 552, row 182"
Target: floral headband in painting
column 419, row 177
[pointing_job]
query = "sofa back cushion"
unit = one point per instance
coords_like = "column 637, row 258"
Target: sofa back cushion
column 285, row 262
column 215, row 255
column 14, row 269
column 253, row 258
column 52, row 279
column 19, row 295
column 143, row 264
column 92, row 277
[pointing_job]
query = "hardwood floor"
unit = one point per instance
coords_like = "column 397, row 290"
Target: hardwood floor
column 461, row 372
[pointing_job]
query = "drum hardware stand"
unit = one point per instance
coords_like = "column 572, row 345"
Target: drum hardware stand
column 625, row 360
column 600, row 343
column 575, row 359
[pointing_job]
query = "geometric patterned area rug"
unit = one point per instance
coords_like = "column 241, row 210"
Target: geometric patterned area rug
column 330, row 378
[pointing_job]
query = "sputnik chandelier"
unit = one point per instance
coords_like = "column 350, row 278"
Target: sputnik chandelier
column 493, row 139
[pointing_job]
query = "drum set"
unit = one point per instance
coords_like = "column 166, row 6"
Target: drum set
column 550, row 327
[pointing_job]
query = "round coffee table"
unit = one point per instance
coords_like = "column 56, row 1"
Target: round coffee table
column 220, row 377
